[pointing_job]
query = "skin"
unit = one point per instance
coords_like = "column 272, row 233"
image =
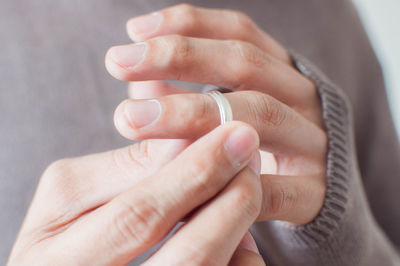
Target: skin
column 108, row 208
column 127, row 200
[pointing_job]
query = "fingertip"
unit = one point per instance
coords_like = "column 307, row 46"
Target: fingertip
column 143, row 27
column 129, row 31
column 122, row 124
column 122, row 61
column 241, row 143
column 251, row 130
column 113, row 68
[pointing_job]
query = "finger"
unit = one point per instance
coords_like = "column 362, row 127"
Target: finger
column 188, row 20
column 247, row 253
column 296, row 199
column 234, row 65
column 142, row 216
column 80, row 184
column 152, row 89
column 244, row 257
column 282, row 131
column 213, row 233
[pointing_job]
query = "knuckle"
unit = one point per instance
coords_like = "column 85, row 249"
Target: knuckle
column 281, row 198
column 250, row 55
column 202, row 177
column 203, row 111
column 265, row 109
column 58, row 173
column 136, row 155
column 246, row 197
column 135, row 224
column 187, row 16
column 58, row 167
column 249, row 58
column 185, row 8
column 243, row 22
column 61, row 182
column 241, row 73
column 179, row 53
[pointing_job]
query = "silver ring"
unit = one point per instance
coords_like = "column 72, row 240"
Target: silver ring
column 225, row 110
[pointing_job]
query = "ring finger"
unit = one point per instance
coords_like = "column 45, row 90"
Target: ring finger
column 282, row 131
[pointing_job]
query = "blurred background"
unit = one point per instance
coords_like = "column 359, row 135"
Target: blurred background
column 382, row 23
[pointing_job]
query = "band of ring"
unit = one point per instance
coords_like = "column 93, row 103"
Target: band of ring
column 225, row 110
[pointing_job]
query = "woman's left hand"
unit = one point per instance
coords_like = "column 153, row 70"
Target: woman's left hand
column 226, row 48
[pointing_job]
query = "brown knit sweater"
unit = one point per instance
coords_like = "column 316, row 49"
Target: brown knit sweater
column 344, row 232
column 54, row 86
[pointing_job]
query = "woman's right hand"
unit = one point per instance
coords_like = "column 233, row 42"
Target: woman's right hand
column 98, row 209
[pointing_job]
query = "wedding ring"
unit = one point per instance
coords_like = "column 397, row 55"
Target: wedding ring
column 224, row 107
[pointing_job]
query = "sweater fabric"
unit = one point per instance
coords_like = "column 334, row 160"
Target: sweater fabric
column 344, row 232
column 57, row 100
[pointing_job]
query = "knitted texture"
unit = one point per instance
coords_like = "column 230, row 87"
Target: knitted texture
column 336, row 120
column 344, row 232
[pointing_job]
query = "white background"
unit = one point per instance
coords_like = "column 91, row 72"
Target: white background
column 382, row 21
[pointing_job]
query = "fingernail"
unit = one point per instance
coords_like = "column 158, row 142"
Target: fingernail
column 249, row 243
column 255, row 163
column 142, row 113
column 129, row 55
column 240, row 144
column 145, row 24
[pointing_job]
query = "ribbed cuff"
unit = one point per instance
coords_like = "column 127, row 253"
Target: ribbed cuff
column 336, row 120
column 344, row 232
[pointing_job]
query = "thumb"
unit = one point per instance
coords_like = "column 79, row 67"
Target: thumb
column 75, row 185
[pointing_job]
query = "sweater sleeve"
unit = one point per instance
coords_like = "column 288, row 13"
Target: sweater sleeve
column 345, row 231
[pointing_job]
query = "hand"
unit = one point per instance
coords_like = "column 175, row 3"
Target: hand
column 225, row 48
column 97, row 209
